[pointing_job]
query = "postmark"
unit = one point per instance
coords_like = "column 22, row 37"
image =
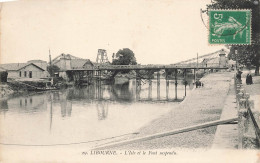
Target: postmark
column 231, row 27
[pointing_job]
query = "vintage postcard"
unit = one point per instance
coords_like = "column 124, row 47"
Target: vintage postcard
column 129, row 81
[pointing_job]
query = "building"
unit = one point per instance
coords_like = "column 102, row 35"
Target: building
column 67, row 62
column 25, row 70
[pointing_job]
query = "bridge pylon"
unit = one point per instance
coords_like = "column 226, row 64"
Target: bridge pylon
column 102, row 56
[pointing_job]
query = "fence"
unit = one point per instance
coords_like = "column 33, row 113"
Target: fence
column 248, row 119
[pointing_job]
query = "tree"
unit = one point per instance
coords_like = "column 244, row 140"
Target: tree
column 246, row 54
column 125, row 57
column 52, row 69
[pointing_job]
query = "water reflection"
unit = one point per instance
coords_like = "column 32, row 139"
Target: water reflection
column 25, row 104
column 99, row 94
column 121, row 92
column 56, row 116
column 65, row 105
column 102, row 110
column 3, row 106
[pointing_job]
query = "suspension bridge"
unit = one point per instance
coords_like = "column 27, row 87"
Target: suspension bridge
column 209, row 62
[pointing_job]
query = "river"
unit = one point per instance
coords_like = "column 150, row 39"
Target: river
column 90, row 113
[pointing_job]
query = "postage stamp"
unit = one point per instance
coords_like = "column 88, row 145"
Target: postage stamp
column 232, row 27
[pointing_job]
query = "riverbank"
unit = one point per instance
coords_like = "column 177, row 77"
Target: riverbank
column 202, row 105
column 5, row 91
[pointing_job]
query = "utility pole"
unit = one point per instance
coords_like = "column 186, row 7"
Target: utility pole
column 236, row 56
column 195, row 77
column 197, row 60
column 50, row 56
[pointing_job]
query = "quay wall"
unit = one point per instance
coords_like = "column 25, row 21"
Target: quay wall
column 202, row 105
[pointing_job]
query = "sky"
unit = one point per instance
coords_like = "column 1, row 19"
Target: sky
column 157, row 31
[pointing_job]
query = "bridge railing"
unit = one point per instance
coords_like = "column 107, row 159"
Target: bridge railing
column 248, row 119
column 136, row 67
column 154, row 66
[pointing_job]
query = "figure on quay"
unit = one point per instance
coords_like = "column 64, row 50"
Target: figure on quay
column 249, row 79
column 238, row 76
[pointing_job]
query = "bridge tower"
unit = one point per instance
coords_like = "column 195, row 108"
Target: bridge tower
column 102, row 56
column 222, row 59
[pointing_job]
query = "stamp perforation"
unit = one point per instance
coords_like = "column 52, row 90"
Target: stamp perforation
column 234, row 35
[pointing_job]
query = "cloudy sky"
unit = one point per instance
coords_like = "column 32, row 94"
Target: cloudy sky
column 158, row 31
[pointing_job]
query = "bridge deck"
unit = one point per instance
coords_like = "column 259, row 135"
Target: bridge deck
column 141, row 67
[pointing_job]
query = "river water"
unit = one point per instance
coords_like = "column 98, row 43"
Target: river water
column 84, row 114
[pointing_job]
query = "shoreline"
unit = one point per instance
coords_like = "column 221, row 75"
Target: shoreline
column 212, row 98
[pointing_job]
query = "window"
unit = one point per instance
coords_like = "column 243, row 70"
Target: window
column 30, row 74
column 20, row 73
column 25, row 73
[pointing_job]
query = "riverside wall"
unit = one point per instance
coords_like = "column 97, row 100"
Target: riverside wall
column 203, row 105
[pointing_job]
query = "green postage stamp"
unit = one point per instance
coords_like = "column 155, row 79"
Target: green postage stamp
column 231, row 27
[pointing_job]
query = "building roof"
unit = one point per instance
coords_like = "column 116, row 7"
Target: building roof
column 78, row 63
column 40, row 63
column 13, row 66
column 2, row 69
column 17, row 66
column 64, row 56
